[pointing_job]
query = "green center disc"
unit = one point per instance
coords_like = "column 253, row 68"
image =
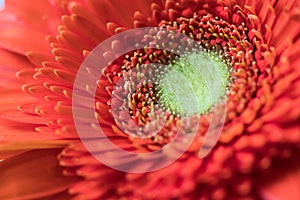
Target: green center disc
column 196, row 77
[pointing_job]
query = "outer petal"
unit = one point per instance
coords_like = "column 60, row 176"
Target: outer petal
column 34, row 174
column 282, row 182
column 41, row 16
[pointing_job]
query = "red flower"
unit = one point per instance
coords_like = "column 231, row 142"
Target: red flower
column 45, row 44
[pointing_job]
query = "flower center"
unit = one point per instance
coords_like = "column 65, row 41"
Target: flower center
column 200, row 77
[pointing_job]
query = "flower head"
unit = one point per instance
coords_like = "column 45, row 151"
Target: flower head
column 253, row 46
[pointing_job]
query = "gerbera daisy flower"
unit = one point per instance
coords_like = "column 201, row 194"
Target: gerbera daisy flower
column 252, row 48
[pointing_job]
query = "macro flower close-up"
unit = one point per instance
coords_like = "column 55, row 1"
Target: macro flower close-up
column 150, row 99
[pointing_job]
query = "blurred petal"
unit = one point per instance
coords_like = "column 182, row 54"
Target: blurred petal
column 33, row 174
column 282, row 182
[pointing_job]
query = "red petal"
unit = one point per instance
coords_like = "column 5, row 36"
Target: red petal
column 34, row 174
column 37, row 16
column 19, row 116
column 120, row 11
column 13, row 61
column 282, row 182
column 22, row 39
column 12, row 98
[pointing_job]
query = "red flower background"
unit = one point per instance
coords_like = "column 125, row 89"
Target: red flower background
column 43, row 43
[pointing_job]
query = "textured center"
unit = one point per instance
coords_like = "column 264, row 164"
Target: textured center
column 197, row 77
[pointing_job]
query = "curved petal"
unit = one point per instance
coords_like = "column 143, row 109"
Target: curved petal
column 282, row 182
column 33, row 174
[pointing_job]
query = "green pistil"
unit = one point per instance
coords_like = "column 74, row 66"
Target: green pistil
column 194, row 83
